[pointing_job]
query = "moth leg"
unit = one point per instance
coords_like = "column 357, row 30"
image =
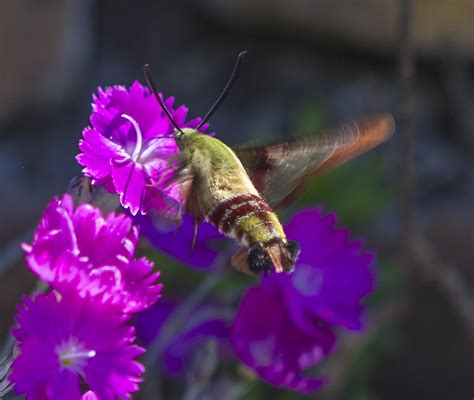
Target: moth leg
column 193, row 243
column 184, row 192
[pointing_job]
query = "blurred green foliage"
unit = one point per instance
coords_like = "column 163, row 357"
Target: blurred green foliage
column 356, row 191
column 391, row 282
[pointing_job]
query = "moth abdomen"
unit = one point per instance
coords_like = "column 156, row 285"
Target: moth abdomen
column 251, row 221
column 247, row 218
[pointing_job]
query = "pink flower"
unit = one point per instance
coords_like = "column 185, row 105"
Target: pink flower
column 64, row 339
column 79, row 247
column 125, row 150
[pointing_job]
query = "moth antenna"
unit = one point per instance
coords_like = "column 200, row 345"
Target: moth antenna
column 226, row 91
column 149, row 80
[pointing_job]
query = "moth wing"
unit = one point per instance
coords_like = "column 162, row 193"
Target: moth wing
column 179, row 194
column 281, row 170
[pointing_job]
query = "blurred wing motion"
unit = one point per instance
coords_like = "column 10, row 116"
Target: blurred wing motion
column 176, row 189
column 280, row 171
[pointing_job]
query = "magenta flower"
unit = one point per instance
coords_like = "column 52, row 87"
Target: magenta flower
column 125, row 151
column 287, row 324
column 65, row 339
column 80, row 248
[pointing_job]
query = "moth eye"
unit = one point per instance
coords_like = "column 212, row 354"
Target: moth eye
column 258, row 260
column 294, row 249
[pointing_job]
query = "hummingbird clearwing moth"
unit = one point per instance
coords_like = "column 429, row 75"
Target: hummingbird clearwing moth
column 238, row 189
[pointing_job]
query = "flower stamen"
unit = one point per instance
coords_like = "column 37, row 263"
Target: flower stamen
column 138, row 146
column 68, row 359
column 73, row 355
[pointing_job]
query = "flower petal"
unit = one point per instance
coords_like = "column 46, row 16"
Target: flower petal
column 97, row 151
column 177, row 241
column 64, row 385
column 129, row 181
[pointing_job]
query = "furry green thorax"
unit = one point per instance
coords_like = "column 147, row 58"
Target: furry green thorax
column 195, row 143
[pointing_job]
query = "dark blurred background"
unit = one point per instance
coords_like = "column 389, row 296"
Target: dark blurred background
column 310, row 63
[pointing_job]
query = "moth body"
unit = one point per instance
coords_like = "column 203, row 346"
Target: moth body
column 222, row 193
column 236, row 190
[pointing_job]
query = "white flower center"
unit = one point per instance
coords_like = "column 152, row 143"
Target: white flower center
column 73, row 355
column 143, row 150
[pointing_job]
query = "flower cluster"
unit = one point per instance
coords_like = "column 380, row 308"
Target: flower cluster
column 80, row 248
column 81, row 329
column 81, row 335
column 285, row 325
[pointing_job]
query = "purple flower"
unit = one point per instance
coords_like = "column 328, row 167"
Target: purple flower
column 332, row 276
column 177, row 242
column 266, row 339
column 202, row 323
column 80, row 248
column 64, row 339
column 287, row 324
column 125, row 151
